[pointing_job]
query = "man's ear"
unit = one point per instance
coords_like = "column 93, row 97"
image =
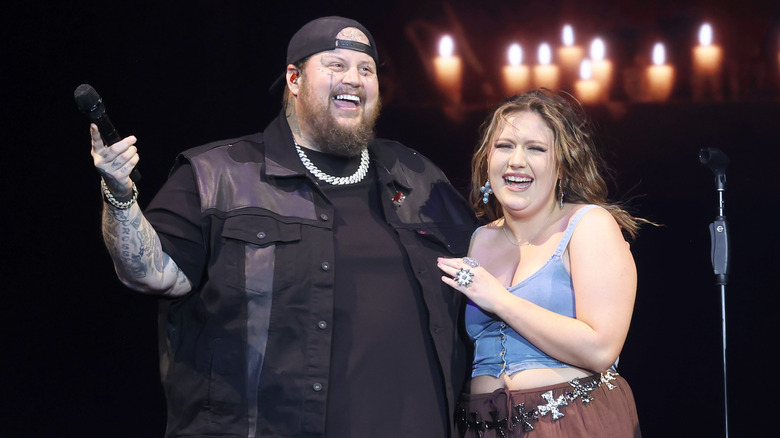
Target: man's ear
column 293, row 77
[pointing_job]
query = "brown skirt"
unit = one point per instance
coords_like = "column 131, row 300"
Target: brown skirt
column 584, row 407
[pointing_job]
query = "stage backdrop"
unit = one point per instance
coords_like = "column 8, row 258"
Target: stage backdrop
column 79, row 351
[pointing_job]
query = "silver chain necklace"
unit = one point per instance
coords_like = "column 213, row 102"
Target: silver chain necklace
column 527, row 241
column 356, row 177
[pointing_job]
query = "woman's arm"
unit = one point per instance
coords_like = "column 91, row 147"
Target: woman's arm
column 604, row 278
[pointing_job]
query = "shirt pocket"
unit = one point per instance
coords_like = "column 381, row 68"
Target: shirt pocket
column 260, row 230
column 252, row 243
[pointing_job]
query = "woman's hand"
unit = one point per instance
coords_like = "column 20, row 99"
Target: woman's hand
column 481, row 287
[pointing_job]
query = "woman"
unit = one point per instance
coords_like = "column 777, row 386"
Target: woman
column 550, row 280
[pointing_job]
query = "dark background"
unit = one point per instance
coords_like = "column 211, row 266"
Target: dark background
column 78, row 352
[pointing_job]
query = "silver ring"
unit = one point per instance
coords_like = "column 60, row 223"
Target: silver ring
column 464, row 277
column 471, row 262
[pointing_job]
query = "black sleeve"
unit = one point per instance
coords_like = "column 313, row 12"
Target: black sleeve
column 175, row 215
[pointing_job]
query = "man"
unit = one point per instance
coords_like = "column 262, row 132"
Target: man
column 299, row 264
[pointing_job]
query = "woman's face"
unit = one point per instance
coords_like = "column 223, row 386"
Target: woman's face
column 521, row 164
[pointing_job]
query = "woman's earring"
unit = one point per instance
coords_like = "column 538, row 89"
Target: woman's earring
column 486, row 192
column 560, row 189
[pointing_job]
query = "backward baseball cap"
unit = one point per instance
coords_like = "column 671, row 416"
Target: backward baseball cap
column 319, row 35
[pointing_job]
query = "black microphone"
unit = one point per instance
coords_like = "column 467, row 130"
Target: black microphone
column 720, row 250
column 90, row 103
column 717, row 161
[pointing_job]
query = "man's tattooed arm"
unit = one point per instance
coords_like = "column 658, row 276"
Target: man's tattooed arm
column 138, row 257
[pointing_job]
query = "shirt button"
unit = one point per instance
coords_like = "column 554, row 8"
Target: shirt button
column 325, row 266
column 322, row 324
column 324, row 216
column 317, row 387
column 261, row 235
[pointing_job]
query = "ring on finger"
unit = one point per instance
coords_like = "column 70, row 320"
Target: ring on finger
column 464, row 277
column 471, row 262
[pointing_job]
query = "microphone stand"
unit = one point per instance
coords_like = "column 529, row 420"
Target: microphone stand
column 717, row 161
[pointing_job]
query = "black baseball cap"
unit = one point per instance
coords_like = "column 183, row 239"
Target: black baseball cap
column 319, row 36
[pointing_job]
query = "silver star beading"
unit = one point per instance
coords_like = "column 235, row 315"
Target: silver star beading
column 518, row 416
column 581, row 390
column 607, row 377
column 552, row 405
column 523, row 417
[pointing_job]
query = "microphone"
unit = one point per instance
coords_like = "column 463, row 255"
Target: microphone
column 717, row 161
column 720, row 249
column 89, row 102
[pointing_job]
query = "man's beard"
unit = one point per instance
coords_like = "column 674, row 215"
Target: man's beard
column 326, row 132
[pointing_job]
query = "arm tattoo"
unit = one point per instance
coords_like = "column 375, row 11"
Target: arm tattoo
column 132, row 243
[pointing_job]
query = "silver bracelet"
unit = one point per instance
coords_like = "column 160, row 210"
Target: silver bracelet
column 109, row 197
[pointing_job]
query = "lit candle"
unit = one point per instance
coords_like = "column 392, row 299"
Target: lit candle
column 588, row 90
column 448, row 69
column 515, row 74
column 602, row 67
column 570, row 55
column 660, row 76
column 706, row 56
column 707, row 60
column 546, row 74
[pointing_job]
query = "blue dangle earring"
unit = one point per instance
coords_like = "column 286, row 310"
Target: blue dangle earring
column 486, row 192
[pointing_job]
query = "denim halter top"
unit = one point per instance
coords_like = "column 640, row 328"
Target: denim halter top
column 497, row 347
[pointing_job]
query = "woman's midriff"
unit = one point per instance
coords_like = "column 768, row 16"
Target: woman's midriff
column 526, row 379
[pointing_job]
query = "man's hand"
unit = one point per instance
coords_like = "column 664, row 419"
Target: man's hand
column 115, row 162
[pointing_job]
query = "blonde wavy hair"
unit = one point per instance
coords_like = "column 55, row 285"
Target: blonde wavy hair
column 580, row 166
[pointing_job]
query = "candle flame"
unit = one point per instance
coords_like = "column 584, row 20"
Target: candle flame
column 597, row 49
column 568, row 35
column 515, row 54
column 545, row 54
column 586, row 71
column 705, row 34
column 446, row 46
column 659, row 54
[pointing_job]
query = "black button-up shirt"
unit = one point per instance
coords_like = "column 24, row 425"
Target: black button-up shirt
column 247, row 352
